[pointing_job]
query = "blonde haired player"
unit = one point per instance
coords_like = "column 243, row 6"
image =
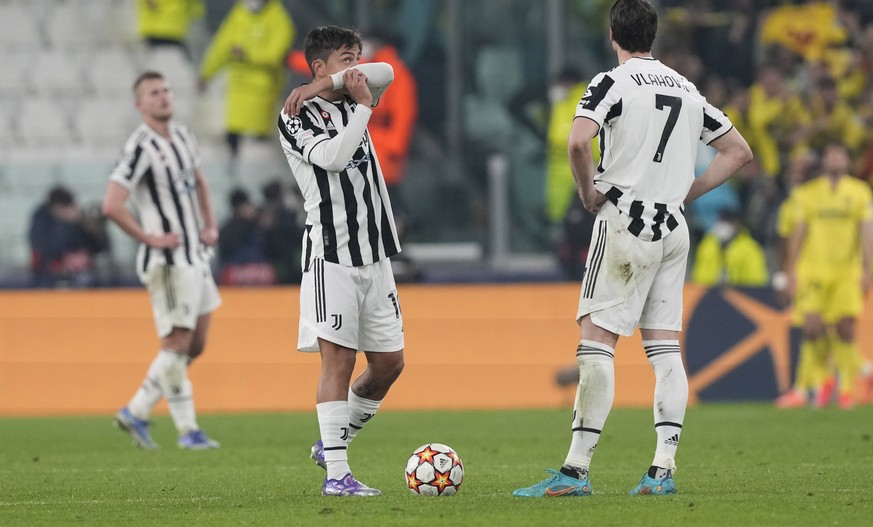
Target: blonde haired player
column 159, row 173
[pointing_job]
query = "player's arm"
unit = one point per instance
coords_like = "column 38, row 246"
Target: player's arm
column 732, row 154
column 209, row 232
column 378, row 74
column 795, row 242
column 867, row 253
column 784, row 228
column 334, row 154
column 582, row 162
column 115, row 209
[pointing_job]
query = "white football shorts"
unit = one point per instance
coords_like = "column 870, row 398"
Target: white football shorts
column 355, row 307
column 180, row 294
column 631, row 282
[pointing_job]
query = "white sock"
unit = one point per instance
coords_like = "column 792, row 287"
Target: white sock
column 360, row 412
column 671, row 398
column 149, row 392
column 333, row 423
column 594, row 397
column 177, row 389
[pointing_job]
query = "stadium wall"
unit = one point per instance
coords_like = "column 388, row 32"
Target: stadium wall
column 467, row 346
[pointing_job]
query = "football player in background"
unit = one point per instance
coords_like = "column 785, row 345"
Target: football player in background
column 829, row 257
column 159, row 172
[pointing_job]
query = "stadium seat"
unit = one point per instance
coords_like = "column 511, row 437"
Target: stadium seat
column 18, row 28
column 106, row 123
column 7, row 131
column 43, row 127
column 59, row 75
column 14, row 82
column 121, row 22
column 175, row 66
column 64, row 27
column 111, row 72
column 207, row 117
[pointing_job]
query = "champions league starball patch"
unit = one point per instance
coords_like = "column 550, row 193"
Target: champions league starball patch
column 293, row 125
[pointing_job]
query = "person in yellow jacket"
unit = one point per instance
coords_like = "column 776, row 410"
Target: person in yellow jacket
column 166, row 22
column 564, row 95
column 251, row 43
column 830, row 254
column 729, row 255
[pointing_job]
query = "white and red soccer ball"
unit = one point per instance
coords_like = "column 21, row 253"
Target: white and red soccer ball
column 434, row 469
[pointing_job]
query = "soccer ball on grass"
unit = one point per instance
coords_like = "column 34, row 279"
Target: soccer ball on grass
column 434, row 469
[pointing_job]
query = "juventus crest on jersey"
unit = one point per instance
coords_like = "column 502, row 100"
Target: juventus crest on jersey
column 348, row 213
column 650, row 119
column 159, row 175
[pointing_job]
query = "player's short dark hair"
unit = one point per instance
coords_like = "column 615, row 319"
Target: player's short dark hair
column 146, row 76
column 634, row 24
column 324, row 40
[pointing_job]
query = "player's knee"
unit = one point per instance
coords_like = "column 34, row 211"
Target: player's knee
column 195, row 350
column 846, row 331
column 394, row 369
column 178, row 340
column 387, row 371
column 813, row 331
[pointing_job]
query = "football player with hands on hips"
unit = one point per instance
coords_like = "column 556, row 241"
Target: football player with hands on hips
column 348, row 297
column 649, row 119
column 159, row 173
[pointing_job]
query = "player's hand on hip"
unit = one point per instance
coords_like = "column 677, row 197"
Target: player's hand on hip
column 593, row 203
column 209, row 236
column 866, row 282
column 356, row 84
column 169, row 240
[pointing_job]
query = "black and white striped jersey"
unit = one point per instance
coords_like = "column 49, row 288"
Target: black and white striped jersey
column 160, row 177
column 650, row 119
column 348, row 213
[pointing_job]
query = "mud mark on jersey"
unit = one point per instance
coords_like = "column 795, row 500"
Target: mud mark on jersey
column 626, row 272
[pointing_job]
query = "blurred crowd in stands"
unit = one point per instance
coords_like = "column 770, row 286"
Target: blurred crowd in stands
column 261, row 244
column 791, row 75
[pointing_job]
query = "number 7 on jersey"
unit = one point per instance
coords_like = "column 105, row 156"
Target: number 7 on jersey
column 675, row 104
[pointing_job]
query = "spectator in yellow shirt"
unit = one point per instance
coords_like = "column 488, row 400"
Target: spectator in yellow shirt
column 251, row 43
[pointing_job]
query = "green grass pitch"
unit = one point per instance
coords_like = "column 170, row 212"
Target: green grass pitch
column 740, row 464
